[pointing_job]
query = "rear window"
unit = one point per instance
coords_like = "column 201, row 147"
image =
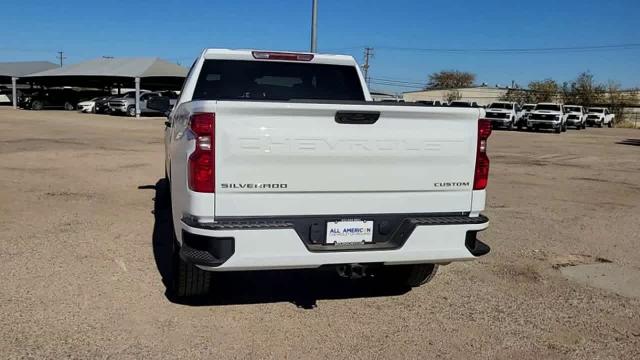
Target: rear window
column 264, row 80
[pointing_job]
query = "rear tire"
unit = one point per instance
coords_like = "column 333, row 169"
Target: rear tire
column 610, row 124
column 184, row 279
column 187, row 279
column 37, row 105
column 69, row 106
column 558, row 129
column 408, row 275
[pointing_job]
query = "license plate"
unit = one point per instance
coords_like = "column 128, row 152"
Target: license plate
column 349, row 232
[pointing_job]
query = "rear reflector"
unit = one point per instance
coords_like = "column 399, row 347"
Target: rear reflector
column 267, row 55
column 202, row 160
column 481, row 177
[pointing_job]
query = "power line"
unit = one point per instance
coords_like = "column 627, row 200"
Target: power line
column 519, row 50
column 532, row 50
column 403, row 82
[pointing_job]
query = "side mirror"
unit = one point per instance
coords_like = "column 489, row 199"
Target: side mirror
column 159, row 103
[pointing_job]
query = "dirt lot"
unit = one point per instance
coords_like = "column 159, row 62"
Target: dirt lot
column 80, row 279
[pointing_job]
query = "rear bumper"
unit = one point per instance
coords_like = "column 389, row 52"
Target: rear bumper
column 283, row 245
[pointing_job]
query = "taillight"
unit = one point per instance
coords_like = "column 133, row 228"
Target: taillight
column 270, row 55
column 202, row 160
column 482, row 160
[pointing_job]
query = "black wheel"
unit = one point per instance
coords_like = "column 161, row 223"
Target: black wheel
column 519, row 126
column 183, row 280
column 37, row 105
column 408, row 275
column 563, row 127
column 579, row 126
column 131, row 111
column 69, row 106
column 558, row 129
column 610, row 124
column 600, row 124
column 584, row 125
column 187, row 279
column 510, row 126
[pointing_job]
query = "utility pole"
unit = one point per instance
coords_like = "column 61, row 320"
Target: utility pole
column 314, row 26
column 61, row 57
column 368, row 53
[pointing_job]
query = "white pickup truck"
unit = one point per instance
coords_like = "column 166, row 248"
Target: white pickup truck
column 576, row 116
column 503, row 114
column 547, row 116
column 597, row 116
column 280, row 160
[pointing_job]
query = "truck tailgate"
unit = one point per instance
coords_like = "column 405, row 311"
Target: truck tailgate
column 287, row 158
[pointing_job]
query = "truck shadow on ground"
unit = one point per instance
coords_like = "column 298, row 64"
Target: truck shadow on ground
column 633, row 142
column 302, row 288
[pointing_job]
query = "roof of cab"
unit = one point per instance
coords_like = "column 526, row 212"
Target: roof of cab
column 247, row 54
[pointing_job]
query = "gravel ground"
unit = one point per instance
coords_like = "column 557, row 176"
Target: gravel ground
column 80, row 279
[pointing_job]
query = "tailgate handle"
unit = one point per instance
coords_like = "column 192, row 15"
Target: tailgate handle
column 357, row 117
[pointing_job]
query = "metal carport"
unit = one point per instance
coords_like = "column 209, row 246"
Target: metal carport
column 156, row 74
column 11, row 72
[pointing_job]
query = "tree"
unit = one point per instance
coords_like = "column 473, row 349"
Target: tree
column 585, row 91
column 519, row 96
column 453, row 95
column 618, row 99
column 568, row 93
column 544, row 91
column 449, row 79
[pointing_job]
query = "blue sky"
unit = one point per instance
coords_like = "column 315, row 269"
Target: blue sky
column 178, row 30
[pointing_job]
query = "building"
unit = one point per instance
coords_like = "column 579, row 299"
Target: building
column 483, row 95
column 385, row 96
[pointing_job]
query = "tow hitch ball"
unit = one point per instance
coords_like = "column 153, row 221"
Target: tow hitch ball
column 352, row 271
